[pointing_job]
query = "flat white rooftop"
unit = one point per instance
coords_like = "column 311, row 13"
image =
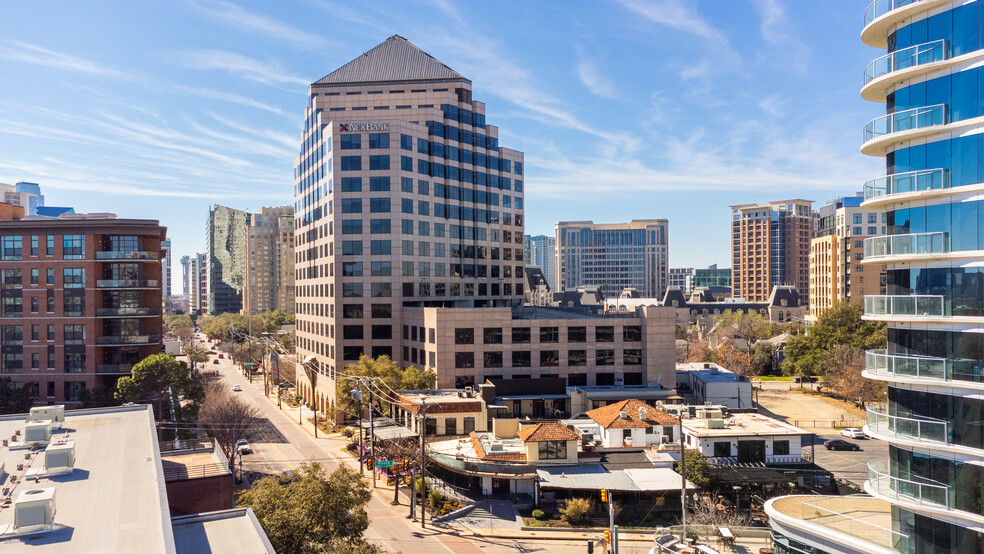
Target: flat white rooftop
column 742, row 425
column 224, row 532
column 114, row 501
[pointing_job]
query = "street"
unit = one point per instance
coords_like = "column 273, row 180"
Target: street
column 279, row 444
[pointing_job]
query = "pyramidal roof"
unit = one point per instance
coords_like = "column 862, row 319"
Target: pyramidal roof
column 396, row 59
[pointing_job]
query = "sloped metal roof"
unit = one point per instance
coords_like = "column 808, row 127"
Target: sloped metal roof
column 396, row 59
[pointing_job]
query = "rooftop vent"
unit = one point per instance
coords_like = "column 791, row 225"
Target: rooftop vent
column 34, row 510
column 623, row 415
column 642, row 412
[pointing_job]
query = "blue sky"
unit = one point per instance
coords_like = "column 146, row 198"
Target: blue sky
column 624, row 109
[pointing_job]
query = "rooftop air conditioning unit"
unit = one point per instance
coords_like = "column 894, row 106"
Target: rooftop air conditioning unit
column 34, row 510
column 468, row 390
column 715, row 424
column 37, row 432
column 495, row 447
column 55, row 414
column 59, row 458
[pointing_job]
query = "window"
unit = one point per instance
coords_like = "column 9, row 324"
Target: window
column 722, row 449
column 352, row 332
column 521, row 335
column 351, row 226
column 382, row 269
column 35, row 305
column 379, row 140
column 406, row 205
column 632, row 333
column 51, row 276
column 406, row 163
column 577, row 380
column 379, row 247
column 780, row 448
column 35, row 276
column 605, row 334
column 382, row 332
column 549, row 358
column 464, row 336
column 351, row 206
column 34, row 245
column 51, row 332
column 632, row 356
column 74, row 278
column 521, row 358
column 493, row 335
column 858, row 219
column 74, row 306
column 74, row 334
column 577, row 334
column 351, row 247
column 469, row 426
column 351, row 290
column 351, row 184
column 605, row 356
column 493, row 359
column 549, row 334
column 381, row 290
column 464, row 360
column 552, row 450
column 406, row 185
column 406, row 142
column 11, row 248
column 383, row 311
column 351, row 163
column 378, row 227
column 350, row 353
column 351, row 142
column 378, row 162
column 35, row 333
column 352, row 311
column 406, row 227
column 13, row 307
column 450, row 426
column 379, row 184
column 351, row 269
column 577, row 357
column 49, row 248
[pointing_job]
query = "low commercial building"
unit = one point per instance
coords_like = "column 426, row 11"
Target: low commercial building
column 710, row 383
column 745, row 438
column 633, row 423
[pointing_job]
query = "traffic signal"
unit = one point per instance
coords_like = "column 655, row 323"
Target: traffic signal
column 604, row 495
column 608, row 537
column 409, row 480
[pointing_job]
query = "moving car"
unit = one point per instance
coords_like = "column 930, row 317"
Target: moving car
column 853, row 433
column 215, row 361
column 221, row 355
column 838, row 444
column 237, row 388
column 242, row 447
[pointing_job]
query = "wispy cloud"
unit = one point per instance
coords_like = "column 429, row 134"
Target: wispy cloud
column 237, row 65
column 682, row 16
column 775, row 31
column 224, row 96
column 22, row 52
column 587, row 72
column 231, row 15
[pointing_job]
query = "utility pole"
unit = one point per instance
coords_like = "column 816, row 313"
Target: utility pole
column 423, row 482
column 357, row 394
column 372, row 441
column 233, row 453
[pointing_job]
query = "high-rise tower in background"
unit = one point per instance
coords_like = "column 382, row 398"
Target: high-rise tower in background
column 166, row 275
column 404, row 200
column 186, row 269
column 770, row 246
column 614, row 256
column 226, row 236
column 268, row 254
column 541, row 251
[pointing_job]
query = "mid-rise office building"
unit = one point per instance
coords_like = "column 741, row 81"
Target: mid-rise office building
column 81, row 301
column 201, row 289
column 770, row 247
column 836, row 271
column 226, row 255
column 614, row 256
column 682, row 278
column 928, row 496
column 541, row 251
column 269, row 261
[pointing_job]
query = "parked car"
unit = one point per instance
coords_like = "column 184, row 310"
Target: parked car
column 838, row 444
column 237, row 388
column 221, row 355
column 242, row 447
column 215, row 361
column 853, row 433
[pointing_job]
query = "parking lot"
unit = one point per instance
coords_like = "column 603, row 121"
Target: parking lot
column 845, row 464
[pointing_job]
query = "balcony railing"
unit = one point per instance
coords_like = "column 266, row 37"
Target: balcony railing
column 879, row 8
column 127, row 311
column 923, row 428
column 880, row 362
column 114, row 368
column 912, row 56
column 920, row 490
column 127, row 283
column 901, row 245
column 128, row 339
column 126, row 255
column 912, row 181
column 903, row 305
column 907, row 120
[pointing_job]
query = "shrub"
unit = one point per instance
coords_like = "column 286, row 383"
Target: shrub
column 348, row 432
column 436, row 498
column 421, row 486
column 539, row 514
column 576, row 510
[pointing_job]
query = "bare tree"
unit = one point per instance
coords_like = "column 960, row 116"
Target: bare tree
column 224, row 417
column 843, row 365
column 702, row 511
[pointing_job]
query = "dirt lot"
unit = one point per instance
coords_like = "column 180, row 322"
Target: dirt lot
column 808, row 411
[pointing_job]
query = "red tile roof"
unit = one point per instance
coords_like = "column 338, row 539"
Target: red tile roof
column 550, row 431
column 609, row 416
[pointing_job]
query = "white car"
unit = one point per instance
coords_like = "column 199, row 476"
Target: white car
column 237, row 388
column 853, row 433
column 242, row 447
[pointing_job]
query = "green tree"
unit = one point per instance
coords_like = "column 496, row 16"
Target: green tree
column 312, row 511
column 196, row 354
column 576, row 511
column 172, row 322
column 762, row 359
column 389, row 378
column 14, row 398
column 152, row 378
column 99, row 397
column 698, row 469
column 839, row 325
column 748, row 326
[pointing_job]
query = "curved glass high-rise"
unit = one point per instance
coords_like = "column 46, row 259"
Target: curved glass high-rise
column 932, row 82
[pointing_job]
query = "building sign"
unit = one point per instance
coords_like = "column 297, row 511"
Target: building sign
column 362, row 127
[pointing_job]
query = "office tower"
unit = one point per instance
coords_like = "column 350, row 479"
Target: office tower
column 166, row 275
column 81, row 301
column 269, row 261
column 682, row 278
column 186, row 269
column 711, row 276
column 201, row 273
column 541, row 251
column 225, row 259
column 836, row 270
column 770, row 246
column 928, row 495
column 404, row 199
column 614, row 256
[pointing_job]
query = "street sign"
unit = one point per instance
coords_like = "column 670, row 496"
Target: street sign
column 384, row 463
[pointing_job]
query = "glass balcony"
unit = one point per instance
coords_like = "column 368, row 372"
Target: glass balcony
column 924, row 428
column 880, row 362
column 912, row 181
column 902, row 245
column 127, row 283
column 907, row 120
column 109, row 312
column 879, row 8
column 920, row 54
column 113, row 369
column 127, row 339
column 905, row 305
column 126, row 255
column 919, row 490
